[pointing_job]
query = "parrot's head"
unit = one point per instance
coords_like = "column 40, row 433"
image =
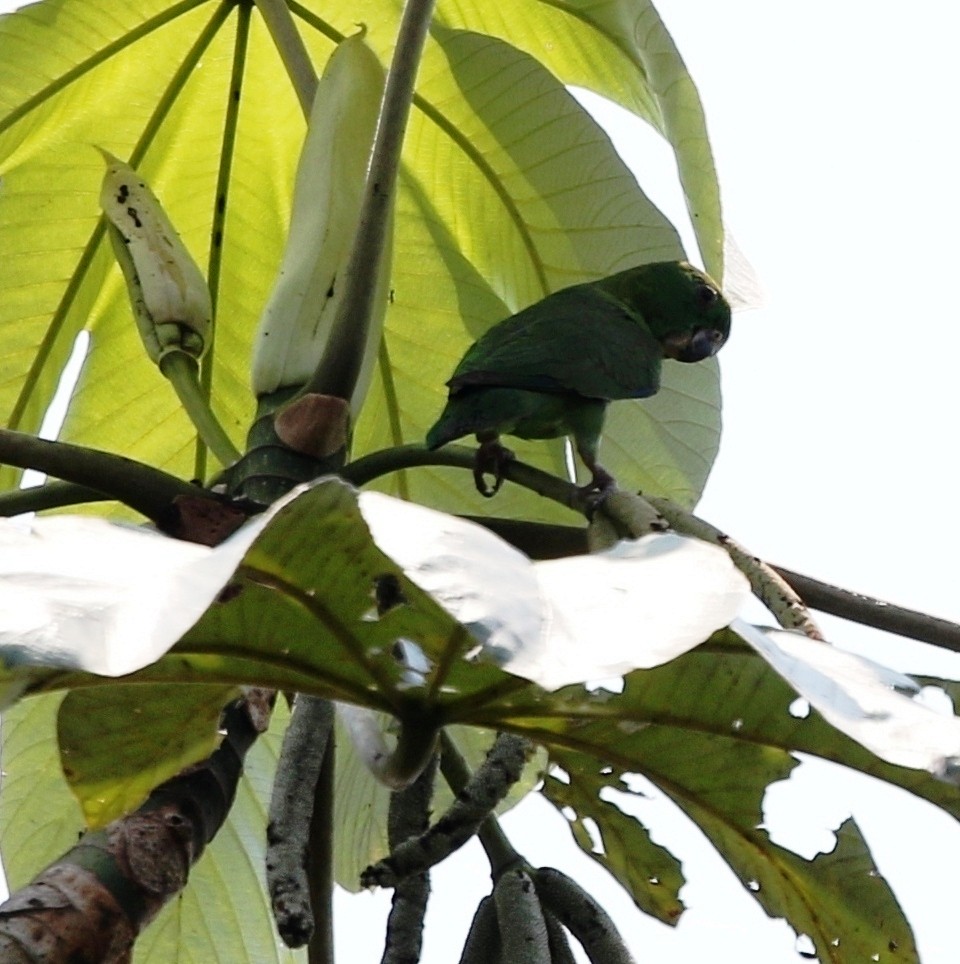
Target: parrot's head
column 684, row 308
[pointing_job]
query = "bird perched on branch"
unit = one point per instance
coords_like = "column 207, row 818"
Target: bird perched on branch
column 551, row 369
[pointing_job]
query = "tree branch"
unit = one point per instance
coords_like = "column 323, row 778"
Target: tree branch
column 868, row 611
column 91, row 904
column 543, row 541
column 376, row 464
column 142, row 487
column 767, row 584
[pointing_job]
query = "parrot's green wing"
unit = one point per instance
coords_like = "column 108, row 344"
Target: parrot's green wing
column 580, row 340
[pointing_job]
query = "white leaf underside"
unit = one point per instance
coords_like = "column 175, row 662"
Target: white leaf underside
column 87, row 594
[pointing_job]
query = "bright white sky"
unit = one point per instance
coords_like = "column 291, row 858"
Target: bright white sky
column 832, row 122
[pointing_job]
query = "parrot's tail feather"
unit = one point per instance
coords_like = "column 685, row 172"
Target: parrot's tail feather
column 440, row 434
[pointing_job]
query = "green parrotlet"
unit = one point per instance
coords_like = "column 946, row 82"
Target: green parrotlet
column 551, row 369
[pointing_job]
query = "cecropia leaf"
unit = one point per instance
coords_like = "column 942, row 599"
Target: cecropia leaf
column 870, row 703
column 636, row 605
column 87, row 594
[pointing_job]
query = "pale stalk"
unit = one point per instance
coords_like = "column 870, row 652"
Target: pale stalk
column 292, row 50
column 181, row 371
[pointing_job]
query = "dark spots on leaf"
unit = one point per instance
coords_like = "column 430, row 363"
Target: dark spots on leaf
column 392, row 296
column 387, row 593
column 330, row 291
column 132, row 212
column 122, row 194
column 230, row 591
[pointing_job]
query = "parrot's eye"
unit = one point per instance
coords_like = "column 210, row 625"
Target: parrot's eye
column 707, row 295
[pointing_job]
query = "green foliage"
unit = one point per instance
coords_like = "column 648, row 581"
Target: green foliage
column 118, row 742
column 508, row 191
column 532, row 198
column 221, row 916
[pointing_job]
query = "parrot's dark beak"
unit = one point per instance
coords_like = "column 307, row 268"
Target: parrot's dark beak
column 693, row 346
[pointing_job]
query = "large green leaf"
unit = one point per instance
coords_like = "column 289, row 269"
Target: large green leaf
column 649, row 872
column 118, row 742
column 712, row 729
column 40, row 818
column 508, row 191
column 223, row 913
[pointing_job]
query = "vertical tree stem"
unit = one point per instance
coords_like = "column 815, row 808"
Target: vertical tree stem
column 320, row 948
column 340, row 366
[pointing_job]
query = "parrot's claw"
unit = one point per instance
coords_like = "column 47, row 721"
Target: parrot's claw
column 599, row 487
column 491, row 458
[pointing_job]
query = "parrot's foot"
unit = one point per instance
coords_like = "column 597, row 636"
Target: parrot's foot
column 491, row 458
column 599, row 487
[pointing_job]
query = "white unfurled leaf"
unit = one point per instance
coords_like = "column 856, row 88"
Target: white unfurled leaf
column 482, row 581
column 298, row 317
column 636, row 605
column 87, row 594
column 870, row 703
